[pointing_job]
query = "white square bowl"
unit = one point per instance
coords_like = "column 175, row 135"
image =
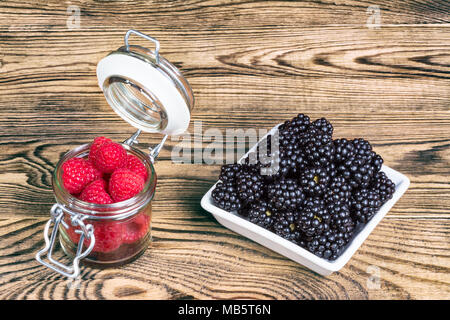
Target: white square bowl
column 233, row 221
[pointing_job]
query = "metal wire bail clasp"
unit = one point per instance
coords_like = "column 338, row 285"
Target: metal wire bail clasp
column 154, row 152
column 156, row 42
column 85, row 231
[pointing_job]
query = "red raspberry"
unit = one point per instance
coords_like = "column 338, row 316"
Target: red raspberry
column 136, row 165
column 109, row 157
column 95, row 192
column 125, row 184
column 108, row 235
column 78, row 173
column 96, row 144
column 136, row 228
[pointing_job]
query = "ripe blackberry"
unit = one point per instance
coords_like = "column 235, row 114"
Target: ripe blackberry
column 338, row 191
column 377, row 162
column 320, row 155
column 261, row 213
column 300, row 123
column 315, row 136
column 314, row 181
column 344, row 150
column 357, row 172
column 291, row 162
column 326, row 245
column 318, row 207
column 284, row 225
column 324, row 125
column 311, row 224
column 226, row 197
column 249, row 186
column 363, row 149
column 228, row 172
column 364, row 204
column 384, row 186
column 285, row 194
column 340, row 215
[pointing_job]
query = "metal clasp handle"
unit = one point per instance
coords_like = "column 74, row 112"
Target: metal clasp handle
column 154, row 152
column 156, row 42
column 85, row 231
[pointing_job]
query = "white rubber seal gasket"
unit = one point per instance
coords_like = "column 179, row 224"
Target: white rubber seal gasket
column 178, row 114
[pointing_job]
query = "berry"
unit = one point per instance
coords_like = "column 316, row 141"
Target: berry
column 108, row 235
column 314, row 181
column 226, row 197
column 326, row 245
column 338, row 190
column 261, row 213
column 284, row 225
column 95, row 192
column 344, row 150
column 96, row 144
column 364, row 204
column 228, row 172
column 384, row 186
column 249, row 186
column 320, row 155
column 324, row 125
column 137, row 166
column 77, row 173
column 136, row 228
column 363, row 149
column 109, row 157
column 357, row 172
column 311, row 224
column 125, row 184
column 340, row 215
column 285, row 194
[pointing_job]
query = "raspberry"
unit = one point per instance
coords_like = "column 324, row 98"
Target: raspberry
column 109, row 157
column 125, row 184
column 136, row 165
column 78, row 173
column 99, row 141
column 95, row 192
column 136, row 229
column 108, row 235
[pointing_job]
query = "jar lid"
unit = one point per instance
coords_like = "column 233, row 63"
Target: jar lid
column 145, row 89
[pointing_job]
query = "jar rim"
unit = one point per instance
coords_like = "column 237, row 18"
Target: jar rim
column 101, row 211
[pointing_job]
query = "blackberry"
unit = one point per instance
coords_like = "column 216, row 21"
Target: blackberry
column 344, row 150
column 291, row 162
column 340, row 215
column 363, row 149
column 310, row 223
column 317, row 206
column 226, row 197
column 249, row 186
column 377, row 162
column 338, row 191
column 300, row 123
column 314, row 181
column 324, row 125
column 285, row 194
column 357, row 172
column 320, row 155
column 228, row 172
column 326, row 245
column 364, row 204
column 284, row 225
column 384, row 186
column 314, row 136
column 261, row 213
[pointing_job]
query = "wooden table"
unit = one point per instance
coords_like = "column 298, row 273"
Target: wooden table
column 383, row 75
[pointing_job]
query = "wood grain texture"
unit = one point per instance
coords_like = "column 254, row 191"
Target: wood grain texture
column 251, row 64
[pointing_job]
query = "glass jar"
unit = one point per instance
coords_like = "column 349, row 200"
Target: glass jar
column 151, row 94
column 114, row 219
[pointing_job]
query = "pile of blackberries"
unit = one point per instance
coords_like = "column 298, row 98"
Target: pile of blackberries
column 309, row 189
